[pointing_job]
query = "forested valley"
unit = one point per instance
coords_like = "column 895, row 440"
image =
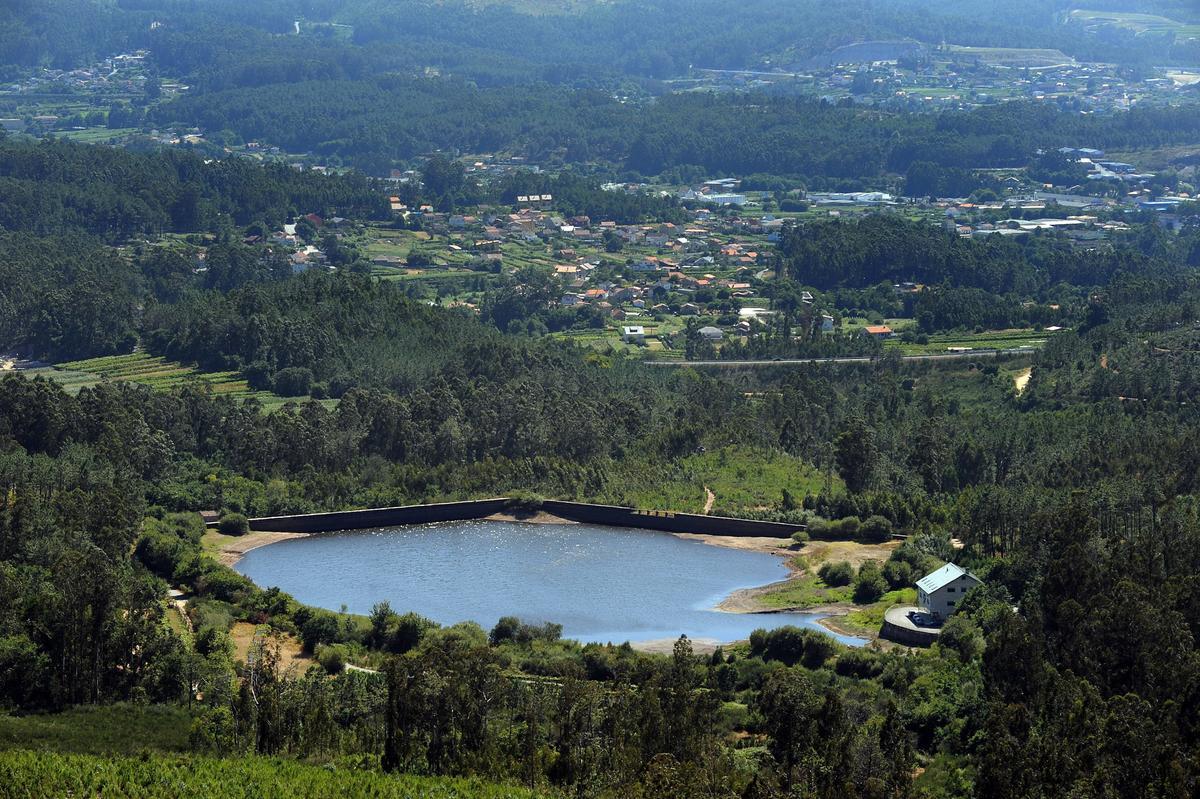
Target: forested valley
column 1074, row 501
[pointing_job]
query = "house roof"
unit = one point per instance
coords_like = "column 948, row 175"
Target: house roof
column 876, row 330
column 943, row 577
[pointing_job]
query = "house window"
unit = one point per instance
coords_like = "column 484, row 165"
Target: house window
column 949, row 590
column 951, row 604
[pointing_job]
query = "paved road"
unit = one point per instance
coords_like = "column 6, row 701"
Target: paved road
column 947, row 356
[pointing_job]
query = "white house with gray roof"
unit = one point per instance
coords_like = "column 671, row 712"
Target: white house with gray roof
column 940, row 592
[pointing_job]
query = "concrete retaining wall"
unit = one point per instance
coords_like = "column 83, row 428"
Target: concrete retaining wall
column 378, row 517
column 899, row 628
column 610, row 515
column 667, row 521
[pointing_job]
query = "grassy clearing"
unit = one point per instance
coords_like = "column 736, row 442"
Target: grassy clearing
column 42, row 774
column 807, row 590
column 243, row 635
column 743, row 478
column 112, row 729
column 868, row 619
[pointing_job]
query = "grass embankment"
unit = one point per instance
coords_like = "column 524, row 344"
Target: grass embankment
column 806, row 589
column 45, row 774
column 742, row 478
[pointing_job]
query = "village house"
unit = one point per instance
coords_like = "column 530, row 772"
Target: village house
column 940, row 592
column 634, row 334
column 712, row 333
column 879, row 331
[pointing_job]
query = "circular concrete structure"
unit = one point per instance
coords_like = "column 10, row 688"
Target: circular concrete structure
column 910, row 626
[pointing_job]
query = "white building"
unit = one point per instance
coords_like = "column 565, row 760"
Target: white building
column 940, row 592
column 712, row 333
column 634, row 334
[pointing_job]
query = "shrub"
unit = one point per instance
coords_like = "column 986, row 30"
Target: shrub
column 960, row 634
column 898, row 573
column 410, row 629
column 800, row 537
column 332, row 658
column 295, row 381
column 875, row 530
column 317, row 627
column 218, row 582
column 510, row 628
column 214, row 730
column 233, row 524
column 791, row 645
column 869, row 586
column 860, row 663
column 210, row 641
column 836, row 574
column 159, row 552
column 841, row 529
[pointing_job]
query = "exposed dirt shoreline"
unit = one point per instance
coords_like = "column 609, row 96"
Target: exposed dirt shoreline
column 541, row 517
column 747, row 600
column 233, row 549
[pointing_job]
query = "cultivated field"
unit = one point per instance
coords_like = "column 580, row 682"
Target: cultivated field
column 156, row 372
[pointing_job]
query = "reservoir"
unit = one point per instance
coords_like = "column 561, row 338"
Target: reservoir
column 602, row 584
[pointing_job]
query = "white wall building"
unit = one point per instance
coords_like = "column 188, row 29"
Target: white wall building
column 634, row 334
column 940, row 592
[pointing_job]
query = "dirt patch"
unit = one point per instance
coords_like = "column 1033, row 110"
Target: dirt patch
column 817, row 552
column 772, row 546
column 230, row 549
column 244, row 634
column 709, row 499
column 1021, row 380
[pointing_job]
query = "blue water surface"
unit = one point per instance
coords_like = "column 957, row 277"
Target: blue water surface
column 604, row 584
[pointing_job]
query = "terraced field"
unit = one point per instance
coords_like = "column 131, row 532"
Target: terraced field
column 156, row 372
column 987, row 340
column 1138, row 23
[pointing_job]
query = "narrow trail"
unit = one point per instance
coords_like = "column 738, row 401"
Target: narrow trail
column 179, row 600
column 709, row 499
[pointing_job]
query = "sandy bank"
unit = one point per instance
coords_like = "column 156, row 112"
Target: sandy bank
column 666, row 646
column 231, row 549
column 541, row 517
column 782, row 547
